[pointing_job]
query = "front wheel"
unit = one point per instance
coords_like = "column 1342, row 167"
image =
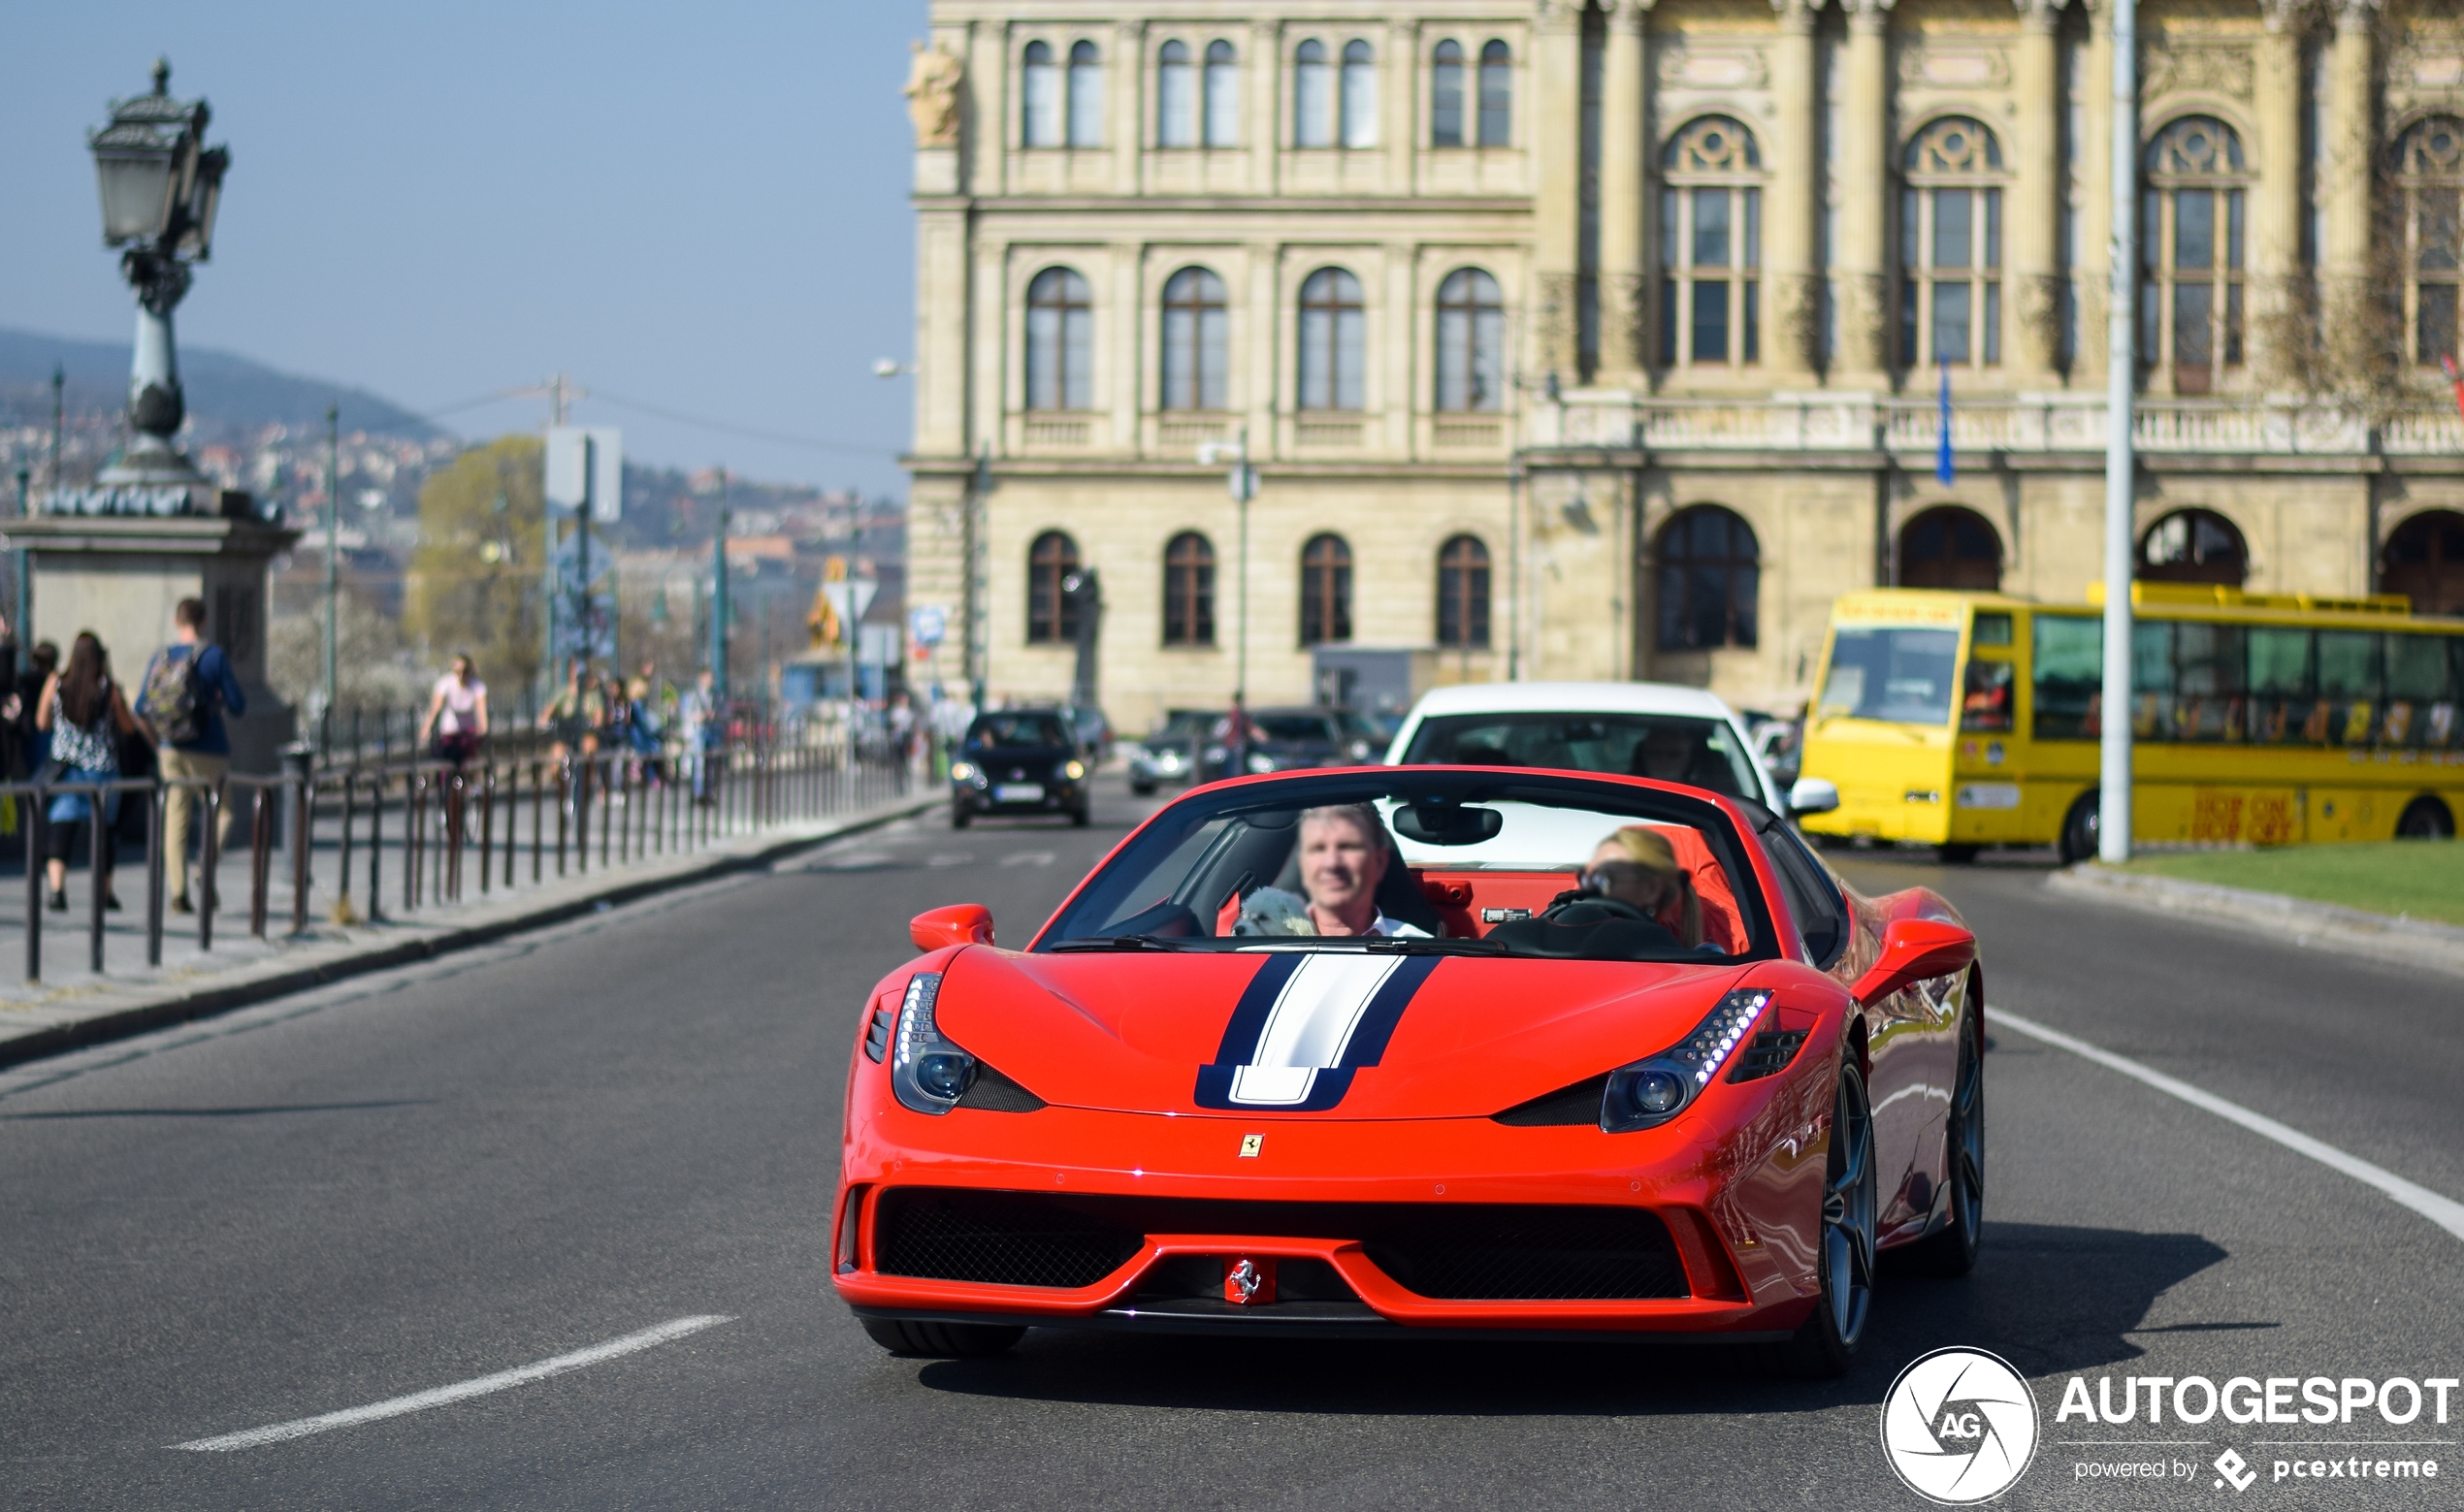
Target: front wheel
column 942, row 1341
column 1826, row 1345
column 2426, row 818
column 959, row 815
column 1950, row 1250
column 1079, row 816
column 1957, row 855
column 2079, row 833
column 1143, row 789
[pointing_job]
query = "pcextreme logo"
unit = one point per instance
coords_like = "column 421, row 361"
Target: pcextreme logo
column 1959, row 1426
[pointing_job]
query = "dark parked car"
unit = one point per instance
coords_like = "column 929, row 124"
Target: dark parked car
column 1301, row 736
column 1170, row 754
column 1019, row 761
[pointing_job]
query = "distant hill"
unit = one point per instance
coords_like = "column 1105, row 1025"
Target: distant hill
column 225, row 391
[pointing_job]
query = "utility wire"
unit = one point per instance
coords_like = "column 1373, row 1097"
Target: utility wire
column 704, row 422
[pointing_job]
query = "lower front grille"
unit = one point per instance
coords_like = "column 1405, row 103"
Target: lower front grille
column 1484, row 1252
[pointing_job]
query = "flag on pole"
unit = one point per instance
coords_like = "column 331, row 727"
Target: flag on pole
column 1944, row 472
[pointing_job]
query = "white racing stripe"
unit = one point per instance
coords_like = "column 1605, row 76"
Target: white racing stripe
column 420, row 1402
column 2446, row 1212
column 1312, row 1022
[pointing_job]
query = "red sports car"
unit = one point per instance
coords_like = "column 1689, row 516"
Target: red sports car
column 1412, row 1050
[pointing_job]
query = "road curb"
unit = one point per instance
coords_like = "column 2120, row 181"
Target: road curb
column 177, row 1005
column 2323, row 926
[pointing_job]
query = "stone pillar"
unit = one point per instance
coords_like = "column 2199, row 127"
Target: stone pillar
column 1557, row 148
column 2349, row 150
column 1793, row 282
column 2276, row 272
column 2092, row 275
column 1624, row 286
column 2036, row 214
column 1865, row 198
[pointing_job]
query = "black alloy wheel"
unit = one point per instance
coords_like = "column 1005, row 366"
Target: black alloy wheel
column 2079, row 833
column 1844, row 1266
column 910, row 1337
column 1950, row 1250
column 2426, row 818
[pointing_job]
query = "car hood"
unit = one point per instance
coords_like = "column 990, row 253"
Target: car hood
column 1327, row 1033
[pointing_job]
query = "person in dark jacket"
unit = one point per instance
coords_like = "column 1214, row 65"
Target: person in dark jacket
column 204, row 749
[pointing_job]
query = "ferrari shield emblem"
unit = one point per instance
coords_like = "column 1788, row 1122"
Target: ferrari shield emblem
column 1250, row 1144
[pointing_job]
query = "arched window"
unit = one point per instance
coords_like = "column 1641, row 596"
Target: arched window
column 1325, row 591
column 1188, row 590
column 1176, row 97
column 1360, row 95
column 1040, row 119
column 1710, row 572
column 1313, row 96
column 1710, row 245
column 1060, row 341
column 2193, row 546
column 1497, row 94
column 1052, row 617
column 1950, row 547
column 1951, row 245
column 1471, row 342
column 1445, row 96
column 1223, row 95
column 1334, row 343
column 2190, row 241
column 1196, row 341
column 2430, row 182
column 2424, row 561
column 1463, row 595
column 1085, row 96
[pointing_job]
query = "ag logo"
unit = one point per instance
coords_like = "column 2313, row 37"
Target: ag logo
column 1959, row 1426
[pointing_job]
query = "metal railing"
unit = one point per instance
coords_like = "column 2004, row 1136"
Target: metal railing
column 447, row 832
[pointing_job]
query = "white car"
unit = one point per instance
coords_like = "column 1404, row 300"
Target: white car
column 1638, row 730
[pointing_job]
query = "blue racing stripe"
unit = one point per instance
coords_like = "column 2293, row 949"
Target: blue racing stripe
column 1385, row 1011
column 1257, row 1001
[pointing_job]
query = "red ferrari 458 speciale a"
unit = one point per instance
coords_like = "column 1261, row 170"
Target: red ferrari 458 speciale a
column 1411, row 1050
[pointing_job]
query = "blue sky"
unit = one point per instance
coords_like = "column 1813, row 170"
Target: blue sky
column 699, row 208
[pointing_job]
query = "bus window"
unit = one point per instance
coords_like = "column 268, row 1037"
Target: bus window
column 2209, row 689
column 2417, row 691
column 2348, row 685
column 1992, row 628
column 1985, row 701
column 2069, row 673
column 2153, row 714
column 2280, row 686
column 1902, row 676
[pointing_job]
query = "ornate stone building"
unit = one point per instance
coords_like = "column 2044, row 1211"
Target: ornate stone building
column 1612, row 341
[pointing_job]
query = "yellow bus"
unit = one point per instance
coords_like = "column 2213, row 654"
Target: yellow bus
column 1966, row 720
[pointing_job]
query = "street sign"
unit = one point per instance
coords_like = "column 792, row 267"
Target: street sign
column 862, row 588
column 927, row 624
column 564, row 470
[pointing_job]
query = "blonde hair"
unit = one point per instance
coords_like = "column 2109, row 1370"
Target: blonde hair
column 1651, row 851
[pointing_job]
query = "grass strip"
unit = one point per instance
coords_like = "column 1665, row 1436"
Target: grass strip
column 2415, row 879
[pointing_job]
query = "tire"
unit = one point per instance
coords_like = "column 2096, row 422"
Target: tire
column 1080, row 816
column 909, row 1337
column 2426, row 818
column 2079, row 830
column 1957, row 855
column 1143, row 789
column 961, row 815
column 1950, row 1250
column 1844, row 1266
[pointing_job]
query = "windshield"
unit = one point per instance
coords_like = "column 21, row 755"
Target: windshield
column 1018, row 729
column 1185, row 723
column 1673, row 747
column 1430, row 862
column 1899, row 675
column 1293, row 726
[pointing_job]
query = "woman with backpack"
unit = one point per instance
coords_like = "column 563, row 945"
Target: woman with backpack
column 83, row 710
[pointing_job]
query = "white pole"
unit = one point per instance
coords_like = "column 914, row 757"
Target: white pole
column 2113, row 827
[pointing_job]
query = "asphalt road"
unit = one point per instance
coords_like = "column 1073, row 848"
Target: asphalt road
column 412, row 1181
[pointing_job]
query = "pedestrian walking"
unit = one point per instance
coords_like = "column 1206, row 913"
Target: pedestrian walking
column 699, row 716
column 187, row 688
column 86, row 715
column 34, row 743
column 572, row 717
column 457, row 713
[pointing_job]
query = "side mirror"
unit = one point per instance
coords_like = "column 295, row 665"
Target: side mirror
column 1914, row 950
column 961, row 923
column 1813, row 796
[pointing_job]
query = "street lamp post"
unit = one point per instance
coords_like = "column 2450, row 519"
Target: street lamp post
column 333, row 558
column 160, row 186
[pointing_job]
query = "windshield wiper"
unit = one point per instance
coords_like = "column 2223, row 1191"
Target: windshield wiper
column 1430, row 945
column 1119, row 943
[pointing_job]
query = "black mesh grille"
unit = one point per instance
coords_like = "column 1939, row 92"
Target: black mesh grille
column 1456, row 1253
column 877, row 1034
column 1769, row 1053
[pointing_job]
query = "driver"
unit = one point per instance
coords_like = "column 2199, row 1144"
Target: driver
column 1637, row 865
column 1666, row 754
column 1345, row 854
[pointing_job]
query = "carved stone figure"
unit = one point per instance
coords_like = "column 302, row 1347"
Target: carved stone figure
column 932, row 95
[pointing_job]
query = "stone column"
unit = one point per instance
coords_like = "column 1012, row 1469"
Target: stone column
column 1623, row 285
column 2277, row 273
column 1792, row 283
column 2349, row 153
column 2035, row 212
column 1125, row 106
column 1557, row 152
column 1864, row 189
column 2092, row 275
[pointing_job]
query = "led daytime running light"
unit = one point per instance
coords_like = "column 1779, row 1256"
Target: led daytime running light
column 926, row 1064
column 1639, row 1096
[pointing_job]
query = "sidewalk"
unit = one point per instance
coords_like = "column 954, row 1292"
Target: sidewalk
column 72, row 1006
column 2299, row 922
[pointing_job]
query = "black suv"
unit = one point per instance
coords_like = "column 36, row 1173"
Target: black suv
column 1019, row 761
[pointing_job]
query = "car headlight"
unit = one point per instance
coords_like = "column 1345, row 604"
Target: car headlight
column 928, row 1072
column 1650, row 1092
column 1074, row 770
column 1261, row 764
column 963, row 771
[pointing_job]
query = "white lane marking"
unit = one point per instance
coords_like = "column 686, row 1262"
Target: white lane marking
column 951, row 859
column 420, row 1402
column 1028, row 858
column 2446, row 1212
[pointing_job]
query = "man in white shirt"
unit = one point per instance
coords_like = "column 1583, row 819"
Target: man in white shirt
column 1345, row 854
